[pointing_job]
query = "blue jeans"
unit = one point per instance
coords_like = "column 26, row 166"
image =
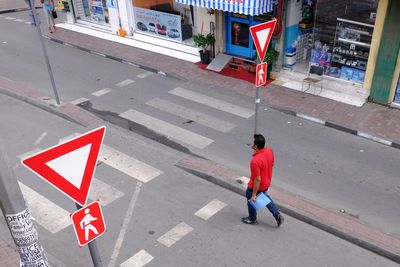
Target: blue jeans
column 253, row 213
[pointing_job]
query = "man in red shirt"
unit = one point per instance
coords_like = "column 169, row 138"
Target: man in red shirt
column 261, row 175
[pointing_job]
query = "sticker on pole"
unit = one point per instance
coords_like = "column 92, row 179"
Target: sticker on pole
column 262, row 34
column 70, row 166
column 261, row 74
column 88, row 223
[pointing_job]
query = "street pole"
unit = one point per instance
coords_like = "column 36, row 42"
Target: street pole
column 18, row 217
column 257, row 102
column 35, row 18
column 94, row 252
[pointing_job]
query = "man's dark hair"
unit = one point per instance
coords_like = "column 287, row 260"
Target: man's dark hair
column 259, row 141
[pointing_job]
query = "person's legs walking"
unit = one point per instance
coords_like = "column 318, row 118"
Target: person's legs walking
column 274, row 210
column 252, row 218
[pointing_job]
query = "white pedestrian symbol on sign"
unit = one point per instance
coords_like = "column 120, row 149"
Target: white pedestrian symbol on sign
column 261, row 75
column 86, row 224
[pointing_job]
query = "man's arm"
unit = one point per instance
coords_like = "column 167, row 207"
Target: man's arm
column 256, row 186
column 256, row 173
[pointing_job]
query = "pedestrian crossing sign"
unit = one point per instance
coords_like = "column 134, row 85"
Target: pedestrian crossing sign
column 69, row 166
column 88, row 223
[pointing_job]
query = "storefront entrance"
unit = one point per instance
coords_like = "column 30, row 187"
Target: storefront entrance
column 239, row 41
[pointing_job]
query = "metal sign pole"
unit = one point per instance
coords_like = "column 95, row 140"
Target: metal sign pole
column 94, row 251
column 18, row 217
column 257, row 102
column 35, row 18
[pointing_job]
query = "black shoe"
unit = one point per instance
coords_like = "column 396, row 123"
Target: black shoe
column 279, row 220
column 247, row 220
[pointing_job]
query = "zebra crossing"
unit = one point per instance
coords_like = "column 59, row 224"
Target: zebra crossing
column 172, row 131
column 173, row 236
column 58, row 219
column 54, row 218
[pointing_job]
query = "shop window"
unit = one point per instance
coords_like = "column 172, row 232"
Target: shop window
column 335, row 35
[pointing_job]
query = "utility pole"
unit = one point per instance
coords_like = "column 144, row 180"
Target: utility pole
column 18, row 217
column 36, row 22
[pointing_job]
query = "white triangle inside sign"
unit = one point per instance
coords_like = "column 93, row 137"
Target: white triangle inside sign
column 72, row 166
column 262, row 37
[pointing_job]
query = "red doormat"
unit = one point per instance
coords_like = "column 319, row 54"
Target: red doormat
column 240, row 73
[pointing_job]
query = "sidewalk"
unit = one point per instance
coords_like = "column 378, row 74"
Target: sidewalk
column 372, row 121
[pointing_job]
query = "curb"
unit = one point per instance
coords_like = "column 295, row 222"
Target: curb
column 121, row 60
column 372, row 240
column 340, row 128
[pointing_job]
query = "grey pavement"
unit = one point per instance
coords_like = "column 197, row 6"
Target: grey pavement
column 77, row 115
column 291, row 204
column 162, row 204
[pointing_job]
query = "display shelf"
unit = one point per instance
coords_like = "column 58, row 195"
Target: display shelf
column 350, row 66
column 354, row 42
column 354, row 56
column 355, row 22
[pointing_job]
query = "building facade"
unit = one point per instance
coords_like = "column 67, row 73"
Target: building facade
column 353, row 40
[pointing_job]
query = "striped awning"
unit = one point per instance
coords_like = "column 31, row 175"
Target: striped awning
column 247, row 7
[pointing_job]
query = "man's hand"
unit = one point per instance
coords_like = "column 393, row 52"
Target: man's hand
column 253, row 198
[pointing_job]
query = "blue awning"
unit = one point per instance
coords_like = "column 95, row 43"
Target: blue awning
column 247, row 7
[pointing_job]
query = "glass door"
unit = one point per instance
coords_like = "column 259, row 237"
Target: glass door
column 239, row 41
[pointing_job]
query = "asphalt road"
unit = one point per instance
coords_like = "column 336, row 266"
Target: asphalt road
column 139, row 215
column 331, row 168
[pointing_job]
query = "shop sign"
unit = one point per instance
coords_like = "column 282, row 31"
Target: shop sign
column 158, row 23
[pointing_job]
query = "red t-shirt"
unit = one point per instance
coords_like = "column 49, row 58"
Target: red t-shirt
column 261, row 165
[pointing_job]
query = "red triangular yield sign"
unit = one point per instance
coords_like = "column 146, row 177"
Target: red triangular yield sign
column 262, row 34
column 70, row 166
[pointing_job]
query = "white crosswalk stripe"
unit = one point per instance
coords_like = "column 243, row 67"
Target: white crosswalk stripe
column 175, row 234
column 196, row 116
column 140, row 259
column 103, row 192
column 102, row 92
column 10, row 18
column 165, row 128
column 123, row 163
column 210, row 209
column 46, row 213
column 212, row 102
column 128, row 165
column 125, row 83
column 144, row 74
column 79, row 101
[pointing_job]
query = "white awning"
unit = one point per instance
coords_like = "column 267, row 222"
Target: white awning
column 247, row 7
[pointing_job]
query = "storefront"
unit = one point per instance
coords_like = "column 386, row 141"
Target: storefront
column 333, row 34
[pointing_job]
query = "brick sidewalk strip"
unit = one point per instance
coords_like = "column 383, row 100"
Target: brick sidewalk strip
column 8, row 255
column 295, row 206
column 376, row 122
